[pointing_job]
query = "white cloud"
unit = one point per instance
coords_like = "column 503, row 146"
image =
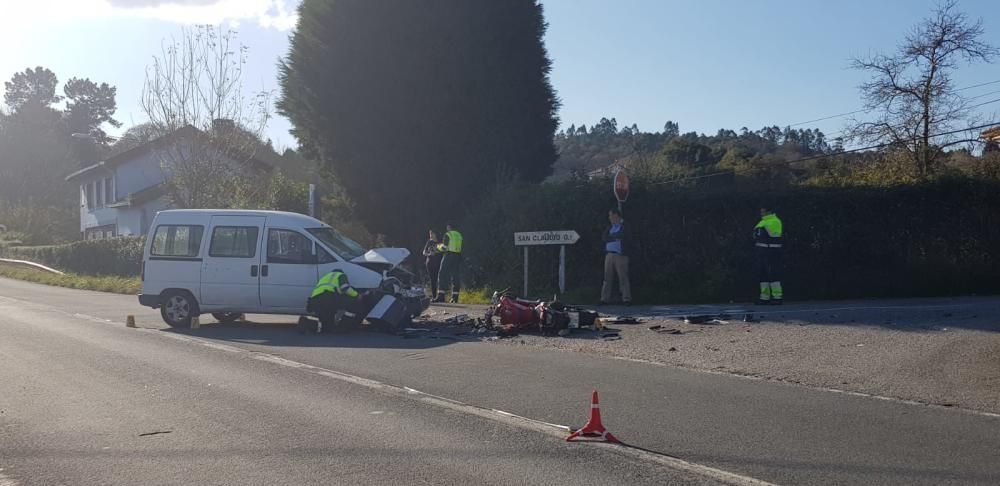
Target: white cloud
column 272, row 14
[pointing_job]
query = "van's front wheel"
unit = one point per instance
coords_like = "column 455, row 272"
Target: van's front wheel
column 178, row 309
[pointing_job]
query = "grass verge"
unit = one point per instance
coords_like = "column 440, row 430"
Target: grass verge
column 100, row 283
column 475, row 296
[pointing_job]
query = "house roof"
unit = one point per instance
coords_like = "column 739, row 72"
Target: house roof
column 992, row 134
column 131, row 154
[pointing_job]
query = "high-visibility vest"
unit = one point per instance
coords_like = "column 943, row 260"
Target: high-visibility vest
column 336, row 282
column 768, row 232
column 454, row 242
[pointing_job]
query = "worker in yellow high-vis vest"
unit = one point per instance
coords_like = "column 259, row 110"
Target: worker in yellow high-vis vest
column 769, row 246
column 450, row 275
column 331, row 296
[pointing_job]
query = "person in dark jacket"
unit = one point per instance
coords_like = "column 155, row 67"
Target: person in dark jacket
column 432, row 259
column 616, row 240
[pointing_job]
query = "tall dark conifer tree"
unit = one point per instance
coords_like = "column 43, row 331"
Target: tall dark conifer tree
column 417, row 108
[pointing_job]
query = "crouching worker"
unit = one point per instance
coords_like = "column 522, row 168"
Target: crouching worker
column 335, row 302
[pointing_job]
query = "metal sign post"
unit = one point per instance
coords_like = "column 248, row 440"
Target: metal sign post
column 525, row 293
column 312, row 200
column 536, row 238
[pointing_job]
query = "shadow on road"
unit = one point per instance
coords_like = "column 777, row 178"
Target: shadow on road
column 910, row 315
column 286, row 334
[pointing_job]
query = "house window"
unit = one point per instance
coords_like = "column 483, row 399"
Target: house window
column 91, row 197
column 176, row 241
column 84, row 200
column 100, row 193
column 234, row 242
column 109, row 190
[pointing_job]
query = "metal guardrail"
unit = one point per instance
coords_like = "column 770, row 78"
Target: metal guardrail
column 36, row 266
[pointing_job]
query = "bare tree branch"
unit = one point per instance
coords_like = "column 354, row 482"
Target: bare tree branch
column 913, row 91
column 197, row 81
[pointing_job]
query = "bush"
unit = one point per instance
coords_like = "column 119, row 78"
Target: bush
column 694, row 245
column 118, row 256
column 39, row 225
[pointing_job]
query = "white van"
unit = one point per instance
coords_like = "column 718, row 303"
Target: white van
column 232, row 262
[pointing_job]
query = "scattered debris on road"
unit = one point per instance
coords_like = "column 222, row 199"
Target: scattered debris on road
column 158, row 432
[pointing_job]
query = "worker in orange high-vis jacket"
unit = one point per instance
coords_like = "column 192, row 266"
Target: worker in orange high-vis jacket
column 769, row 251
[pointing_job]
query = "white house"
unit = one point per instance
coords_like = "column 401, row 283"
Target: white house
column 120, row 195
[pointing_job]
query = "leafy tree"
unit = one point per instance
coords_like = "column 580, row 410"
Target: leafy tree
column 135, row 136
column 671, row 129
column 33, row 87
column 912, row 92
column 670, row 155
column 419, row 108
column 89, row 106
column 35, row 156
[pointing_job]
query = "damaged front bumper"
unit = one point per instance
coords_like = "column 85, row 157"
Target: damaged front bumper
column 416, row 300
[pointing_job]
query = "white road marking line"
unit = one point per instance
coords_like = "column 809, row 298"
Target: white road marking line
column 506, row 417
column 554, row 430
column 6, row 480
column 813, row 387
column 233, row 349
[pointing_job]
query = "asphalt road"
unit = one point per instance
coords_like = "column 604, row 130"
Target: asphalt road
column 80, row 388
column 85, row 402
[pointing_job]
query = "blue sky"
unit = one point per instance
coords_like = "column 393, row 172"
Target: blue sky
column 706, row 64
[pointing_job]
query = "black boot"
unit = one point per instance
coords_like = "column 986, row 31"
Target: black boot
column 454, row 297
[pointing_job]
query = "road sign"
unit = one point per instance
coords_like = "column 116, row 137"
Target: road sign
column 532, row 238
column 621, row 185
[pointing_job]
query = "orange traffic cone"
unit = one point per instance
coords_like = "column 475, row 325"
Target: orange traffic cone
column 594, row 427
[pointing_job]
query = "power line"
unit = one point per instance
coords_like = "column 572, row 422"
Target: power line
column 840, row 134
column 986, row 103
column 984, row 95
column 823, row 156
column 691, row 178
column 865, row 110
column 978, row 85
column 827, row 118
column 883, row 145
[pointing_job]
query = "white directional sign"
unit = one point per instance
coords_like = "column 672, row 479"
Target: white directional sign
column 531, row 238
column 561, row 238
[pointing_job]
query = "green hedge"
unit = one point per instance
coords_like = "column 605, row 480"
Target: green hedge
column 695, row 244
column 117, row 256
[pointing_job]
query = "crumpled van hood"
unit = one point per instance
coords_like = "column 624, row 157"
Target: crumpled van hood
column 385, row 256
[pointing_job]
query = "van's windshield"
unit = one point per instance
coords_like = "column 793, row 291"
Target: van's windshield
column 345, row 247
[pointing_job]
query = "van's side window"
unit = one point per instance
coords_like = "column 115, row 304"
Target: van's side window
column 176, row 241
column 285, row 246
column 234, row 242
column 322, row 256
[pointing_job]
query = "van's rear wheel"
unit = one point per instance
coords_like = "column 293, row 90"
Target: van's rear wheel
column 178, row 308
column 226, row 317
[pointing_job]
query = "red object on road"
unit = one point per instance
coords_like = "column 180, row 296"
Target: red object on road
column 519, row 314
column 594, row 427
